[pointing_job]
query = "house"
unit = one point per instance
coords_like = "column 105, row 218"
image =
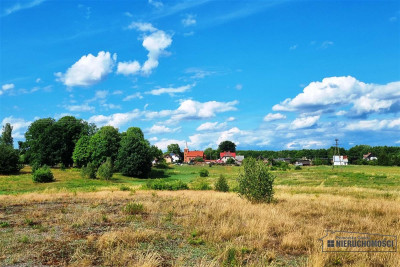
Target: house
column 239, row 159
column 189, row 156
column 171, row 158
column 303, row 162
column 340, row 160
column 287, row 160
column 369, row 157
column 224, row 156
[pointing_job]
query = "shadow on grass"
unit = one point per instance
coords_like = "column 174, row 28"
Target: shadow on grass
column 157, row 173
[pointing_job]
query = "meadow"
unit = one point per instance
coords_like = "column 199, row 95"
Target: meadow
column 81, row 222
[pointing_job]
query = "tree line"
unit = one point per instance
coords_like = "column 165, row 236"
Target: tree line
column 70, row 141
column 387, row 155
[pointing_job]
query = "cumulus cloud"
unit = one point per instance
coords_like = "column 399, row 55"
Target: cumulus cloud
column 117, row 119
column 231, row 119
column 170, row 90
column 374, row 125
column 190, row 109
column 304, row 122
column 128, row 68
column 163, row 143
column 274, row 117
column 88, row 70
column 336, row 92
column 155, row 42
column 211, row 126
column 19, row 126
column 189, row 20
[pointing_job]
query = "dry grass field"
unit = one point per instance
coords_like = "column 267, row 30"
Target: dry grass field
column 191, row 228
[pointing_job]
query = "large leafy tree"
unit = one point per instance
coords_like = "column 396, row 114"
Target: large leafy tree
column 71, row 130
column 6, row 137
column 227, row 146
column 135, row 154
column 174, row 148
column 211, row 153
column 81, row 154
column 103, row 144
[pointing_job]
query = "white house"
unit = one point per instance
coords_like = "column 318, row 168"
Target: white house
column 340, row 160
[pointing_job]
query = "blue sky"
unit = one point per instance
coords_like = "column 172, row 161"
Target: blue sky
column 264, row 74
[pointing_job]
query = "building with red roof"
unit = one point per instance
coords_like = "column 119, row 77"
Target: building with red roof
column 189, row 156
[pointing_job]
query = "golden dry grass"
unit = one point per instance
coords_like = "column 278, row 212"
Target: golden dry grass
column 86, row 229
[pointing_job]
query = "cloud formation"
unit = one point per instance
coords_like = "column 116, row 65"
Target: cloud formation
column 211, row 126
column 88, row 70
column 189, row 20
column 171, row 90
column 274, row 117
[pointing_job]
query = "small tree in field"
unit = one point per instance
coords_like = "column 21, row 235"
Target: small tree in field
column 256, row 182
column 221, row 184
column 105, row 170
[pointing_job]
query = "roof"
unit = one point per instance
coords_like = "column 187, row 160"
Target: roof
column 367, row 155
column 227, row 154
column 195, row 153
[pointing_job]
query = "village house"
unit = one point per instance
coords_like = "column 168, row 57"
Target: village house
column 340, row 160
column 369, row 157
column 189, row 156
column 171, row 158
column 224, row 156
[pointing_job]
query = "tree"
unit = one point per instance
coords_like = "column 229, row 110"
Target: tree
column 6, row 137
column 221, row 184
column 103, row 144
column 81, row 154
column 211, row 153
column 174, row 148
column 256, row 182
column 156, row 153
column 9, row 159
column 227, row 146
column 134, row 156
column 105, row 170
column 71, row 130
column 43, row 142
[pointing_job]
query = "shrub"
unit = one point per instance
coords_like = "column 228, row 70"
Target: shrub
column 199, row 159
column 124, row 188
column 203, row 173
column 133, row 208
column 201, row 184
column 256, row 182
column 221, row 184
column 43, row 175
column 89, row 171
column 105, row 170
column 230, row 161
column 159, row 184
column 9, row 159
column 297, row 168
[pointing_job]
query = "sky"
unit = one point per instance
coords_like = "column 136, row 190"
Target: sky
column 267, row 75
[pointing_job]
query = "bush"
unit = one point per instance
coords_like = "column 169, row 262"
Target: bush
column 201, row 184
column 43, row 175
column 105, row 170
column 9, row 160
column 133, row 208
column 297, row 168
column 221, row 184
column 203, row 173
column 159, row 184
column 230, row 161
column 256, row 182
column 199, row 159
column 89, row 171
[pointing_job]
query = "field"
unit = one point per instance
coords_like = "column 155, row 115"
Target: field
column 80, row 222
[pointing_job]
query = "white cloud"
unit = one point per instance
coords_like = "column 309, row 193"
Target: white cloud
column 231, row 119
column 341, row 113
column 18, row 6
column 274, row 117
column 117, row 119
column 88, row 70
column 239, row 87
column 38, row 80
column 111, row 106
column 161, row 129
column 117, row 92
column 133, row 96
column 19, row 126
column 374, row 125
column 326, row 44
column 199, row 73
column 305, row 144
column 7, row 86
column 190, row 109
column 80, row 108
column 189, row 20
column 128, row 68
column 163, row 143
column 304, row 122
column 157, row 4
column 155, row 42
column 336, row 92
column 211, row 126
column 171, row 90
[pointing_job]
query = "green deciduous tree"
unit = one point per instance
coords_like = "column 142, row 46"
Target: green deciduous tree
column 6, row 136
column 134, row 156
column 103, row 144
column 81, row 154
column 9, row 159
column 227, row 146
